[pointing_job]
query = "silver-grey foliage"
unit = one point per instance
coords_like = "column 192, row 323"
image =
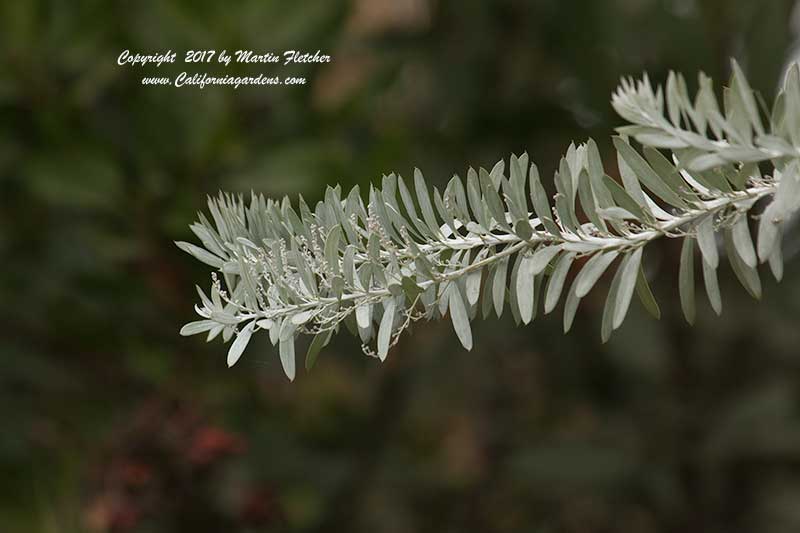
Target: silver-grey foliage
column 495, row 241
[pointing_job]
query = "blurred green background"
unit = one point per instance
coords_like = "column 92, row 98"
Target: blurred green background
column 111, row 422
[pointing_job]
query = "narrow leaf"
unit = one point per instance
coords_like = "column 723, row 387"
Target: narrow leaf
column 746, row 95
column 200, row 254
column 364, row 315
column 385, row 330
column 571, row 307
column 556, row 282
column 646, row 295
column 541, row 204
column 200, row 326
column 776, row 263
column 627, row 282
column 542, row 257
column 768, row 235
column 525, row 282
column 286, row 350
column 425, row 203
column 646, row 174
column 473, row 286
column 592, row 271
column 607, row 326
column 712, row 287
column 744, row 244
column 499, row 286
column 747, row 276
column 319, row 341
column 458, row 315
column 686, row 280
column 707, row 242
column 238, row 346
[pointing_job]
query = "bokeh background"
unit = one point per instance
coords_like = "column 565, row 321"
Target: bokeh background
column 111, row 422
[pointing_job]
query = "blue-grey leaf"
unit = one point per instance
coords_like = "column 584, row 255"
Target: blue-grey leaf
column 200, row 254
column 525, row 288
column 627, row 282
column 707, row 242
column 458, row 315
column 712, row 287
column 686, row 280
column 286, row 352
column 556, row 282
column 385, row 330
column 240, row 343
column 200, row 326
column 592, row 271
column 743, row 242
